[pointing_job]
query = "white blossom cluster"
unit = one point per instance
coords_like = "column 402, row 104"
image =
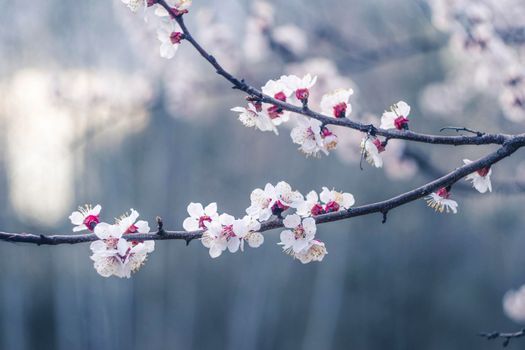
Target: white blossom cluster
column 224, row 232
column 168, row 32
column 489, row 54
column 112, row 254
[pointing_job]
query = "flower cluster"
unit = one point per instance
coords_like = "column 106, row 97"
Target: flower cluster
column 225, row 232
column 310, row 134
column 168, row 32
column 113, row 255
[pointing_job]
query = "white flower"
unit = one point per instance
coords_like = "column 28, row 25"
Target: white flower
column 300, row 87
column 246, row 229
column 220, row 236
column 272, row 200
column 134, row 5
column 113, row 255
column 255, row 117
column 315, row 251
column 335, row 201
column 262, row 202
column 170, row 36
column 179, row 6
column 310, row 206
column 307, row 134
column 200, row 217
column 129, row 223
column 397, row 117
column 277, row 89
column 514, row 304
column 480, row 179
column 330, row 139
column 440, row 201
column 301, row 234
column 337, row 103
column 371, row 147
column 86, row 218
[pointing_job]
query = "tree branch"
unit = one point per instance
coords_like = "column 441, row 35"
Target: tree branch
column 507, row 337
column 240, row 84
column 382, row 207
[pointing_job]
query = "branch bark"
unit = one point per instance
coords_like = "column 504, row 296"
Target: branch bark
column 382, row 207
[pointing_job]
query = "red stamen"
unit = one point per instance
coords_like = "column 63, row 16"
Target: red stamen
column 340, row 110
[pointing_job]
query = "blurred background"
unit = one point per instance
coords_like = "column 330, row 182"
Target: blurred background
column 89, row 113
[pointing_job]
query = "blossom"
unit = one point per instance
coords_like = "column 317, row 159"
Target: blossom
column 307, row 134
column 133, row 5
column 246, row 229
column 279, row 91
column 315, row 251
column 113, row 255
column 397, row 117
column 300, row 87
column 313, row 137
column 217, row 236
column 178, row 6
column 273, row 200
column 301, row 233
column 227, row 233
column 440, row 200
column 86, row 218
column 255, row 116
column 514, row 304
column 170, row 36
column 371, row 147
column 310, row 206
column 200, row 217
column 480, row 178
column 129, row 223
column 337, row 103
column 335, row 201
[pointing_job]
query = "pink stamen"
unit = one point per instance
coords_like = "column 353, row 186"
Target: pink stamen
column 340, row 110
column 280, row 96
column 317, row 209
column 91, row 221
column 332, row 206
column 483, row 171
column 202, row 219
column 443, row 193
column 176, row 37
column 401, row 123
column 302, row 94
column 379, row 145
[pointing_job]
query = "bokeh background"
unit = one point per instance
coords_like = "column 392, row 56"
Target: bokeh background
column 89, row 113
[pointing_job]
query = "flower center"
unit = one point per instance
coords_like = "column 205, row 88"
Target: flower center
column 332, row 206
column 274, row 112
column 227, row 231
column 278, row 208
column 317, row 209
column 483, row 171
column 401, row 123
column 340, row 110
column 443, row 193
column 202, row 219
column 91, row 221
column 379, row 145
column 176, row 37
column 280, row 96
column 299, row 232
column 302, row 94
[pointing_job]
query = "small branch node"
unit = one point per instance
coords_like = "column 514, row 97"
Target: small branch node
column 160, row 226
column 385, row 216
column 458, row 129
